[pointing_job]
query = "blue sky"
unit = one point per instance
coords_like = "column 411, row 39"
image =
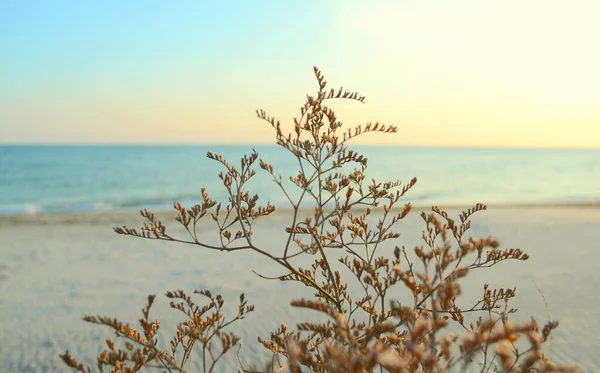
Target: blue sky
column 452, row 73
column 74, row 44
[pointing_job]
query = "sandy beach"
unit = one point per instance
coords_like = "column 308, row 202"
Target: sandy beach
column 54, row 268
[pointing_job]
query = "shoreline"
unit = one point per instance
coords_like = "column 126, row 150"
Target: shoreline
column 108, row 216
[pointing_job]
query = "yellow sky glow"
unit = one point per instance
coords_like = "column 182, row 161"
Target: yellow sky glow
column 447, row 73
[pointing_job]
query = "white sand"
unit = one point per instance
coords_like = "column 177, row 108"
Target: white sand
column 56, row 268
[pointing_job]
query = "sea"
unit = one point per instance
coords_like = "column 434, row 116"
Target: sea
column 80, row 178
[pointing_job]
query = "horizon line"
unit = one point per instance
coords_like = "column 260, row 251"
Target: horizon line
column 190, row 144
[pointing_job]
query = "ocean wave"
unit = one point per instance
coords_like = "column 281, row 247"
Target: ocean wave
column 116, row 204
column 25, row 209
column 162, row 204
column 33, row 209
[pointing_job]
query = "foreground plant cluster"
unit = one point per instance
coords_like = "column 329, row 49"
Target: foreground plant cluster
column 368, row 328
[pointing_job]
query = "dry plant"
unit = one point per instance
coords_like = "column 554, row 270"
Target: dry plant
column 368, row 328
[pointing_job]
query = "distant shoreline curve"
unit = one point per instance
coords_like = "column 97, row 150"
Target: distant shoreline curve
column 127, row 216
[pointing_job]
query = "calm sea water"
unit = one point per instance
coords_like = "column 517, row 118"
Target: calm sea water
column 91, row 178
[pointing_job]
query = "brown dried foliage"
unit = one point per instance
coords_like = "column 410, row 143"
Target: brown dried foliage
column 365, row 332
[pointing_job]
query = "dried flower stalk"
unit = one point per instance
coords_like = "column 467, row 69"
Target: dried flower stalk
column 372, row 332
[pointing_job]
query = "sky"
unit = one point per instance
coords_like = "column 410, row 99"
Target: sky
column 474, row 73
